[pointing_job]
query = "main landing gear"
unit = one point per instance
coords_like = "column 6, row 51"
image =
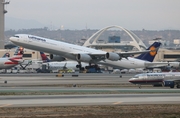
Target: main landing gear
column 80, row 67
column 177, row 86
column 89, row 69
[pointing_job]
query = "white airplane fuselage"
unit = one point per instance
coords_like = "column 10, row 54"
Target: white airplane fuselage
column 68, row 64
column 7, row 64
column 124, row 63
column 154, row 78
column 52, row 46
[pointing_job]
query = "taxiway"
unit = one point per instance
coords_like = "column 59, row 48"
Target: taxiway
column 24, row 90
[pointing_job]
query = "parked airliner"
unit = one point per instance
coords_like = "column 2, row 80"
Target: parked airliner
column 90, row 55
column 9, row 62
column 6, row 55
column 168, row 79
column 63, row 65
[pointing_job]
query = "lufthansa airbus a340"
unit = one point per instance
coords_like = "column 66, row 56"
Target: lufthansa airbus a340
column 89, row 55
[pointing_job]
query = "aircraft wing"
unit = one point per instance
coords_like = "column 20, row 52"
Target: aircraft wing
column 96, row 56
column 127, row 54
column 89, row 57
column 161, row 64
column 83, row 52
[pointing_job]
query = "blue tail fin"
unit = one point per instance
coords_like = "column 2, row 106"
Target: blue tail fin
column 44, row 57
column 149, row 56
column 6, row 55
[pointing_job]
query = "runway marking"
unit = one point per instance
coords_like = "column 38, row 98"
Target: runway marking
column 5, row 105
column 117, row 103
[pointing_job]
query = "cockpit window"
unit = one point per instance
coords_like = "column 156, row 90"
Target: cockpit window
column 136, row 76
column 16, row 36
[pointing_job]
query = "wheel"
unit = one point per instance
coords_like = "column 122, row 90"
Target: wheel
column 172, row 86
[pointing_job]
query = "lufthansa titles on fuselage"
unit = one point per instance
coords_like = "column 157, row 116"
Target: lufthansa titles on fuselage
column 40, row 39
column 36, row 38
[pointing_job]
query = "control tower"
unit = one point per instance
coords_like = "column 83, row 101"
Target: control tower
column 2, row 12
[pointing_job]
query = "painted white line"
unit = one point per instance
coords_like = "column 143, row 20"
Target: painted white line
column 117, row 103
column 5, row 105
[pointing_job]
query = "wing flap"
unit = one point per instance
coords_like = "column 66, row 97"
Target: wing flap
column 156, row 64
column 161, row 64
column 137, row 52
column 127, row 54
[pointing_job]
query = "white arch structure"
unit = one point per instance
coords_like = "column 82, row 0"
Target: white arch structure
column 136, row 40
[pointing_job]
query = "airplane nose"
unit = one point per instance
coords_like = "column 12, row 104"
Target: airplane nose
column 12, row 39
column 131, row 80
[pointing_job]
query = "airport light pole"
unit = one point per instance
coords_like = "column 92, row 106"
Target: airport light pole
column 2, row 13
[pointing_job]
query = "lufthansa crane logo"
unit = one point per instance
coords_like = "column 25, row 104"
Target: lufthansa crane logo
column 153, row 51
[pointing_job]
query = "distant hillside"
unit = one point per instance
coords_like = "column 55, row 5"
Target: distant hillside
column 16, row 23
column 75, row 36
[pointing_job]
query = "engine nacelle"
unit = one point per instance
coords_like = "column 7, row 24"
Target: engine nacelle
column 56, row 57
column 83, row 57
column 168, row 84
column 174, row 64
column 112, row 56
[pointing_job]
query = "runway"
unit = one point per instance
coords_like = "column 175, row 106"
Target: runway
column 90, row 99
column 46, row 79
column 83, row 90
column 25, row 90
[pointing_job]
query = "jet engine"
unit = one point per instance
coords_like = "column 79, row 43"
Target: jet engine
column 112, row 56
column 83, row 57
column 174, row 64
column 168, row 84
column 56, row 57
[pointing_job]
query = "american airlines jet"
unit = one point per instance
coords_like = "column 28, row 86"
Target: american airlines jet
column 84, row 54
column 168, row 79
column 9, row 62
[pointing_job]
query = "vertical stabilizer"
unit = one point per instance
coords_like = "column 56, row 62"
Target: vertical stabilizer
column 149, row 56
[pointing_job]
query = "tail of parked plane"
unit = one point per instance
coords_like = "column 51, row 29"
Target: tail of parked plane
column 44, row 57
column 19, row 51
column 6, row 55
column 18, row 55
column 149, row 56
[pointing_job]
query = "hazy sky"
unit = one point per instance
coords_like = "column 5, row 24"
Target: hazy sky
column 96, row 14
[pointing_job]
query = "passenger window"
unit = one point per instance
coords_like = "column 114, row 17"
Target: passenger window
column 16, row 36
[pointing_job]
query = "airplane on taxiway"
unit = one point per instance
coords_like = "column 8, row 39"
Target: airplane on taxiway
column 89, row 55
column 167, row 79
